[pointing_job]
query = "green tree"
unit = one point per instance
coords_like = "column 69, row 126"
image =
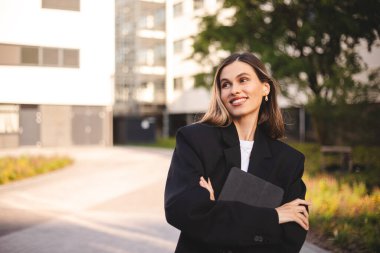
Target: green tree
column 312, row 43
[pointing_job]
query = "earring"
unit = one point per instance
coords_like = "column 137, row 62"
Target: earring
column 266, row 98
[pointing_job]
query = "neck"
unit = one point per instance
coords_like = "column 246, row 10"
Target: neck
column 246, row 127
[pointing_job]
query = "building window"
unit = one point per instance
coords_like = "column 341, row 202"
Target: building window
column 198, row 4
column 38, row 56
column 10, row 54
column 178, row 46
column 70, row 58
column 142, row 57
column 178, row 9
column 159, row 18
column 69, row 5
column 29, row 55
column 159, row 55
column 178, row 83
column 9, row 119
column 50, row 56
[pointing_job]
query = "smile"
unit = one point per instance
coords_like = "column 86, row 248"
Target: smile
column 238, row 101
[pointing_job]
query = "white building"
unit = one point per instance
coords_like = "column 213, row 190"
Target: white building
column 184, row 101
column 57, row 64
column 140, row 57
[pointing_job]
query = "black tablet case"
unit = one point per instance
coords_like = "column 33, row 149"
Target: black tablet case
column 250, row 189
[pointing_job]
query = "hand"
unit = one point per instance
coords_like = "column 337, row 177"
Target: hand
column 207, row 185
column 294, row 211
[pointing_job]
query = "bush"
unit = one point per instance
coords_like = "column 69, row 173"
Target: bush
column 365, row 158
column 160, row 143
column 345, row 214
column 15, row 168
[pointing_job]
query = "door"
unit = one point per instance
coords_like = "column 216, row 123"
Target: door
column 30, row 125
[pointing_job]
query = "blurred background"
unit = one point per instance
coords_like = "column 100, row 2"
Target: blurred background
column 79, row 73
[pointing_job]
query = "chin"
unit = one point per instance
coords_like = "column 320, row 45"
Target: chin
column 239, row 114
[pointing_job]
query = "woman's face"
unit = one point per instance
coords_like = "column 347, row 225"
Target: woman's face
column 241, row 90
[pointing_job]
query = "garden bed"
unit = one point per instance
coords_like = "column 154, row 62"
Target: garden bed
column 15, row 168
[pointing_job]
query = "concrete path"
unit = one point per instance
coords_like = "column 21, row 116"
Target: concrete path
column 110, row 200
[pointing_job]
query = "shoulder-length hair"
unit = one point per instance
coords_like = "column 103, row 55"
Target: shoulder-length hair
column 270, row 116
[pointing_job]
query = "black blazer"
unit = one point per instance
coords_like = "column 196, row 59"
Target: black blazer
column 223, row 226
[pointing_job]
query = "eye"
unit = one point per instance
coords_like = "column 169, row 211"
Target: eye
column 225, row 85
column 244, row 79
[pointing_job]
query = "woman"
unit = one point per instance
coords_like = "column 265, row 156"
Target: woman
column 240, row 129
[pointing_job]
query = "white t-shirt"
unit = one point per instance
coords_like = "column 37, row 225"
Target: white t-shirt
column 245, row 152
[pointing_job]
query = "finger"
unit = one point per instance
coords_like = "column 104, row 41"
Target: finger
column 302, row 209
column 304, row 220
column 206, row 185
column 209, row 182
column 299, row 220
column 300, row 202
column 304, row 202
column 204, row 181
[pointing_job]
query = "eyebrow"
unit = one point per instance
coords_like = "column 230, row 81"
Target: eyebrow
column 241, row 74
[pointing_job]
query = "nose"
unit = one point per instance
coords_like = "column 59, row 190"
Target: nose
column 235, row 88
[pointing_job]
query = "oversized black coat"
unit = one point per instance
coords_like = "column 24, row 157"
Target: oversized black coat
column 224, row 226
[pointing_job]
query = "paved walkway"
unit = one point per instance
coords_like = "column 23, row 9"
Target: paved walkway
column 109, row 201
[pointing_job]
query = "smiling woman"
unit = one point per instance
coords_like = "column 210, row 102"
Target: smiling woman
column 240, row 129
column 242, row 92
column 242, row 77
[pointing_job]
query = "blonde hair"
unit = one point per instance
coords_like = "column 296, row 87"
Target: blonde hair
column 270, row 116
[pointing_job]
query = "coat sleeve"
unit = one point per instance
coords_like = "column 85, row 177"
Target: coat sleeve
column 188, row 207
column 293, row 234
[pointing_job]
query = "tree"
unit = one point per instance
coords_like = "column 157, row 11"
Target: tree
column 312, row 43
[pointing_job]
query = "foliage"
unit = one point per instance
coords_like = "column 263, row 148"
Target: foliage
column 15, row 168
column 347, row 124
column 311, row 43
column 166, row 142
column 345, row 205
column 203, row 80
column 366, row 164
column 345, row 214
column 160, row 143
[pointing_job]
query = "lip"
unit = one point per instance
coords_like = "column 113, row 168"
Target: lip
column 238, row 101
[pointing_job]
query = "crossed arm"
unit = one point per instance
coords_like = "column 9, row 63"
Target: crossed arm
column 293, row 211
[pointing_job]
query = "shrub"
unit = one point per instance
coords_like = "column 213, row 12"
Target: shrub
column 344, row 213
column 15, row 168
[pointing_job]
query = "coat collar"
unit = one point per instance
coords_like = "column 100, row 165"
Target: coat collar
column 260, row 163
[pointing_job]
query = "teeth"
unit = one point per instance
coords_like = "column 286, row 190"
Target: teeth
column 238, row 101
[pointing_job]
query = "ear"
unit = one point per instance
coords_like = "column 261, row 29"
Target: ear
column 266, row 89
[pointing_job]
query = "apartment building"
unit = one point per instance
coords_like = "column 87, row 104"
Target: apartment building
column 140, row 69
column 140, row 57
column 56, row 72
column 154, row 72
column 185, row 103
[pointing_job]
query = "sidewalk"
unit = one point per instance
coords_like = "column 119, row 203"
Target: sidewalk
column 93, row 206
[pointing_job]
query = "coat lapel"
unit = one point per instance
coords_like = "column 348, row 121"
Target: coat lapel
column 232, row 151
column 260, row 163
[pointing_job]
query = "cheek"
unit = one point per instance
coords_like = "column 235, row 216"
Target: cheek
column 223, row 96
column 254, row 90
